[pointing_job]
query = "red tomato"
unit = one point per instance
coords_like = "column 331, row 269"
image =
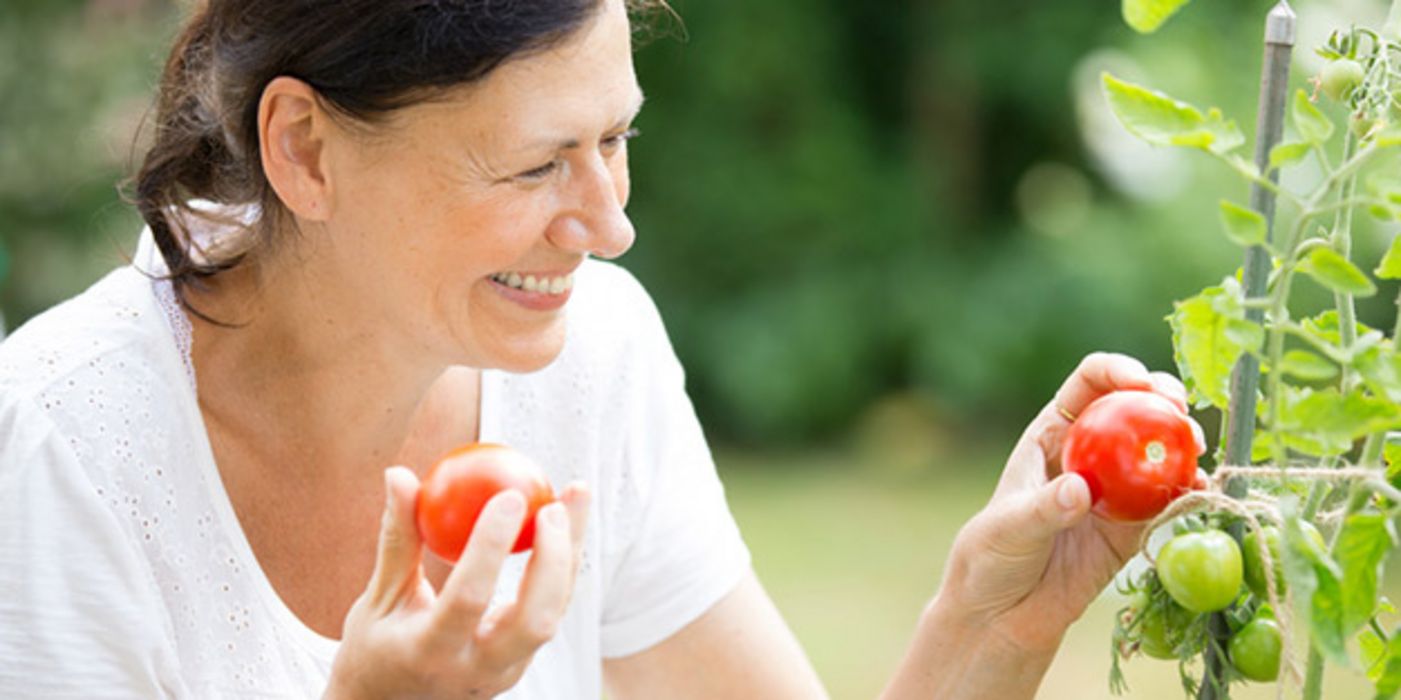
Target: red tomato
column 1136, row 451
column 458, row 487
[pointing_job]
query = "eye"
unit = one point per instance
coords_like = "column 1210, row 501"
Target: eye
column 610, row 143
column 539, row 173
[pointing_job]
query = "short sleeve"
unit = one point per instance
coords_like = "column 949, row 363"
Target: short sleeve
column 685, row 552
column 79, row 614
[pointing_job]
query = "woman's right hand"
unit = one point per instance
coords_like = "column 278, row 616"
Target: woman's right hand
column 401, row 638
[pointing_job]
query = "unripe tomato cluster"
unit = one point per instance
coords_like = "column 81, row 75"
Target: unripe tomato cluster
column 1201, row 571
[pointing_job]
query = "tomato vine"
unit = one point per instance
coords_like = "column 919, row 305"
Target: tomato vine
column 1306, row 477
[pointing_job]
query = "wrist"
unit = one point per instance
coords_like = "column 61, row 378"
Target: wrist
column 958, row 653
column 996, row 635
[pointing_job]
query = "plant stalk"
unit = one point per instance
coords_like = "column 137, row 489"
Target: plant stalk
column 1245, row 376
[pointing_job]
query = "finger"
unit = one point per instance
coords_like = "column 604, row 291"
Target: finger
column 1171, row 388
column 1098, row 374
column 577, row 498
column 400, row 548
column 534, row 617
column 1198, row 436
column 1029, row 523
column 467, row 592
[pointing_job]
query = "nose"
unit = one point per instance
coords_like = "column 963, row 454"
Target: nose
column 596, row 223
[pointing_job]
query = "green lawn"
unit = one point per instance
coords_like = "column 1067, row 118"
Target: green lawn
column 851, row 553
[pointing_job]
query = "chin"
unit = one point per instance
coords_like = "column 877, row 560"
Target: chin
column 532, row 354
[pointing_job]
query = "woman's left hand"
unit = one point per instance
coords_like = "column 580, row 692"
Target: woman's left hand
column 1034, row 558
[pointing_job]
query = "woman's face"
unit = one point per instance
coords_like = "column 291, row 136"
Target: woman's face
column 457, row 224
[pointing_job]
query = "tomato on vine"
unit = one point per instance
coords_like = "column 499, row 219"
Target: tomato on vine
column 1255, row 649
column 1255, row 565
column 1339, row 78
column 1201, row 570
column 458, row 487
column 1137, row 452
column 1163, row 629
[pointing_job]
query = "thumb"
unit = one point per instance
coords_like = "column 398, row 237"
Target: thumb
column 400, row 548
column 1043, row 513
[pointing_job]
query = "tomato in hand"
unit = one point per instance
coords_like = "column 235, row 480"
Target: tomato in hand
column 1201, row 570
column 1255, row 649
column 460, row 484
column 1255, row 565
column 1137, row 452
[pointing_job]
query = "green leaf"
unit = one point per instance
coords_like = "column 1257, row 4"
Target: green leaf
column 1312, row 126
column 1289, row 153
column 1244, row 226
column 1361, row 547
column 1385, row 670
column 1307, row 366
column 1330, row 269
column 1164, row 121
column 1380, row 368
column 1390, row 267
column 1145, row 16
column 1209, row 333
column 1317, row 580
column 1336, row 420
column 1391, row 454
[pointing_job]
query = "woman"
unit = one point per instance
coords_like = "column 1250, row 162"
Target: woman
column 368, row 224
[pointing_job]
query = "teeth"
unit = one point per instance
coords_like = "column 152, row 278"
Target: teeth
column 531, row 283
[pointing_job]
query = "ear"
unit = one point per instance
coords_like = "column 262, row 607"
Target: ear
column 292, row 132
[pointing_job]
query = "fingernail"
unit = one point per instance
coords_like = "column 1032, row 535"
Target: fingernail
column 554, row 515
column 1065, row 494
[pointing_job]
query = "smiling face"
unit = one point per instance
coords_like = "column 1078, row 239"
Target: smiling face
column 458, row 223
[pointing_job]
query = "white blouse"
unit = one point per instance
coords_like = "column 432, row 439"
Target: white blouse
column 125, row 573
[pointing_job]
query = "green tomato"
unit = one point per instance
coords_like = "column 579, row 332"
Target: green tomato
column 1162, row 630
column 1340, row 78
column 1201, row 570
column 1255, row 650
column 1255, row 566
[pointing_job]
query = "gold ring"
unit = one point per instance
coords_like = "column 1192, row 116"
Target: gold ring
column 1065, row 413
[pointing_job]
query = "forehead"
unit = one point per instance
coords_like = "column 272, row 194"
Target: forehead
column 585, row 81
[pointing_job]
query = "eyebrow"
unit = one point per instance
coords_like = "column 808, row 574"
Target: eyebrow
column 566, row 144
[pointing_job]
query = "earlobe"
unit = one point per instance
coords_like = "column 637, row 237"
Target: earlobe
column 292, row 142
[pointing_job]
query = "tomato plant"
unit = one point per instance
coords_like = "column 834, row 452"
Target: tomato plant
column 460, row 484
column 1201, row 570
column 1309, row 400
column 1136, row 451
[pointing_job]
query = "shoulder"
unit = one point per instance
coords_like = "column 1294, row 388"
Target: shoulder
column 612, row 316
column 608, row 292
column 94, row 368
column 116, row 316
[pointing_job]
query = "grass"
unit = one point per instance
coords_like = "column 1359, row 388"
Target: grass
column 851, row 552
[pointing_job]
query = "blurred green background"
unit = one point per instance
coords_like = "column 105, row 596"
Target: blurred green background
column 881, row 234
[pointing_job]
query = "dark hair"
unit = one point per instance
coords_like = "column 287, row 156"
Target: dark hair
column 364, row 58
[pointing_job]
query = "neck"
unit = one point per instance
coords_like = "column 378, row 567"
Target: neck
column 303, row 378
